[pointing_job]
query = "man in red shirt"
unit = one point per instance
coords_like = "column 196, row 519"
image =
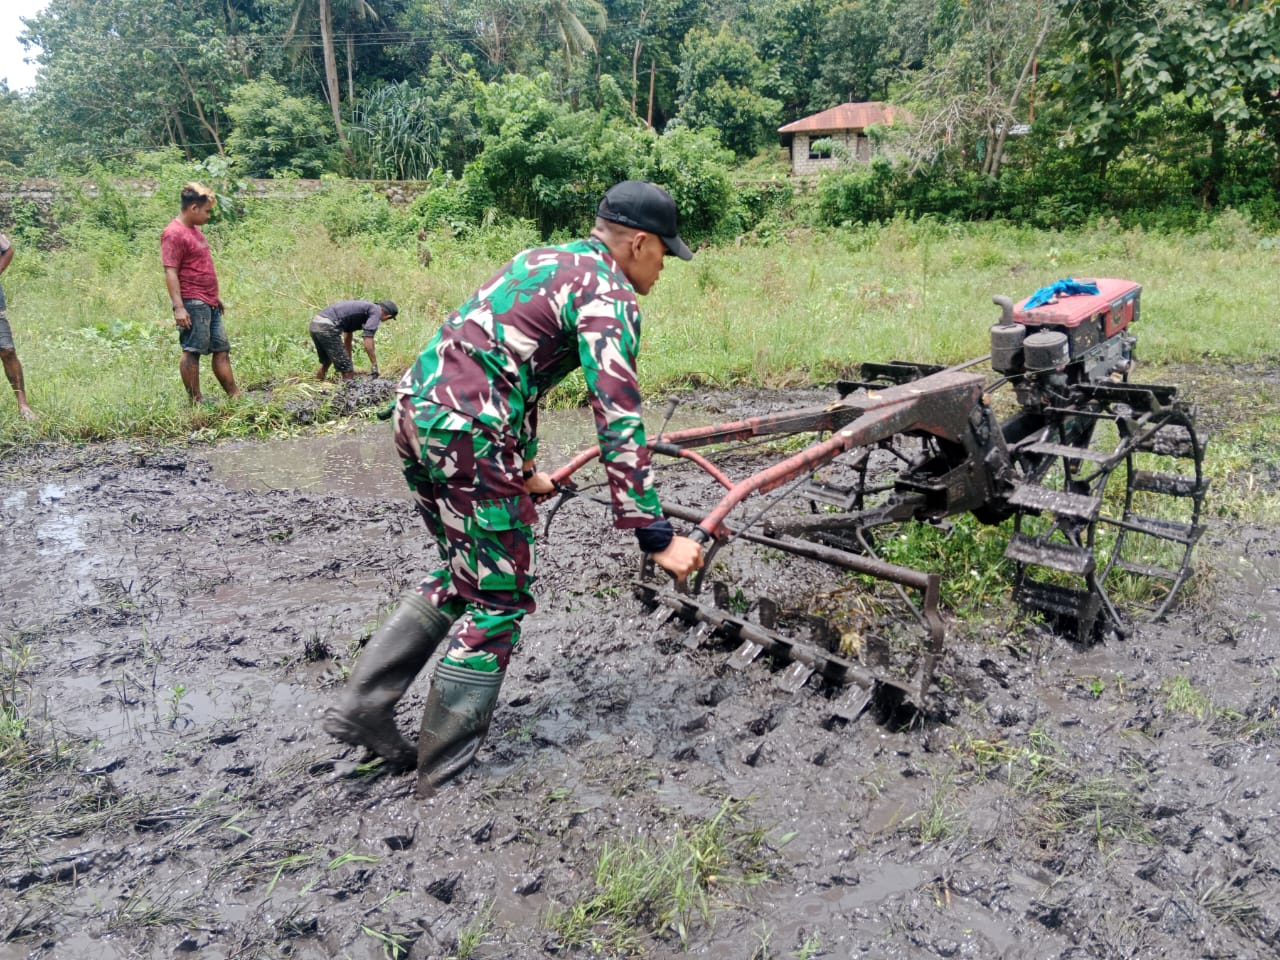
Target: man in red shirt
column 9, row 355
column 193, row 290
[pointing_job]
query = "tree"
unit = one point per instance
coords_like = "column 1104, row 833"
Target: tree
column 130, row 74
column 322, row 13
column 642, row 44
column 1220, row 57
column 521, row 36
column 576, row 22
column 969, row 96
column 719, row 76
column 15, row 138
column 856, row 60
column 276, row 134
column 788, row 36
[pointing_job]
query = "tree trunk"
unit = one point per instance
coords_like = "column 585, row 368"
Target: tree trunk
column 635, row 76
column 1210, row 186
column 653, row 67
column 179, row 132
column 195, row 99
column 331, row 73
column 1028, row 71
column 351, row 77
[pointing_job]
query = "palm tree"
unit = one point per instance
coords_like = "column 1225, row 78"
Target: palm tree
column 575, row 22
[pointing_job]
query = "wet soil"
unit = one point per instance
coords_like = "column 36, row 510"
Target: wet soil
column 175, row 619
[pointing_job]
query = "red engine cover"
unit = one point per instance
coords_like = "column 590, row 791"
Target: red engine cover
column 1115, row 305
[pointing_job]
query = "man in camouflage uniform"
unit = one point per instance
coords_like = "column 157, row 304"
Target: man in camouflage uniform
column 466, row 429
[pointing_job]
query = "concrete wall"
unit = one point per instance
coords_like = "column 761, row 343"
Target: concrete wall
column 855, row 142
column 43, row 194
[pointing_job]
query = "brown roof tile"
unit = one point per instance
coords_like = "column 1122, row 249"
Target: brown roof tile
column 847, row 116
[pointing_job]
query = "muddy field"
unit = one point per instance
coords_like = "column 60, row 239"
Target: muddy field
column 174, row 620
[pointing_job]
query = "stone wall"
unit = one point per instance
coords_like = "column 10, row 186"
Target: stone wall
column 43, row 194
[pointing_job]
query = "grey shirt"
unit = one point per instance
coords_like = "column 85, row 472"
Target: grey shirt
column 353, row 315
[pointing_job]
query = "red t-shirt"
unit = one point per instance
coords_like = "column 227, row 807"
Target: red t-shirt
column 186, row 249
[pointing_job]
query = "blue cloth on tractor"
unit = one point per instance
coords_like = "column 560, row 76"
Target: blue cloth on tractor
column 1063, row 288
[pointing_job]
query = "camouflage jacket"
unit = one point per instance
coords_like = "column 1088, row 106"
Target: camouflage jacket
column 545, row 313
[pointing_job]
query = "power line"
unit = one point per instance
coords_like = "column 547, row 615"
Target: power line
column 384, row 39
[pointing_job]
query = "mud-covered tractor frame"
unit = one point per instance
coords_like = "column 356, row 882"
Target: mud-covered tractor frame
column 1102, row 480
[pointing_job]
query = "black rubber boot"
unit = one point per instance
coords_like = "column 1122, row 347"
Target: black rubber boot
column 454, row 724
column 394, row 655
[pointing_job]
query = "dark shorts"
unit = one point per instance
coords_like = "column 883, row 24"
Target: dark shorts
column 206, row 333
column 327, row 336
column 6, row 335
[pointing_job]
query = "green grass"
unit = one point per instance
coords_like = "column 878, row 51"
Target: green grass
column 967, row 554
column 96, row 337
column 644, row 888
column 1181, row 696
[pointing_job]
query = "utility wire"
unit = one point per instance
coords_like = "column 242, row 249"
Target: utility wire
column 388, row 38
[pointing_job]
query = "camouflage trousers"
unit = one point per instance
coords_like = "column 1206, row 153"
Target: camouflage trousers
column 468, row 489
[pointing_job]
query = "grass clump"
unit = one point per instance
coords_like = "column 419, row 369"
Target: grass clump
column 1232, row 905
column 472, row 936
column 967, row 554
column 1064, row 801
column 940, row 819
column 653, row 889
column 1181, row 696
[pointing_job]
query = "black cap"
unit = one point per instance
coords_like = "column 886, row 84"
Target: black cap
column 644, row 206
column 389, row 307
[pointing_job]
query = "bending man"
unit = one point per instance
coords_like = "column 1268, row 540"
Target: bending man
column 331, row 331
column 466, row 430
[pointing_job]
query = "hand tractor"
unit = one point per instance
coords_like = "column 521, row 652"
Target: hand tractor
column 1100, row 480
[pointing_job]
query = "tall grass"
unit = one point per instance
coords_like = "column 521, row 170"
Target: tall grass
column 95, row 333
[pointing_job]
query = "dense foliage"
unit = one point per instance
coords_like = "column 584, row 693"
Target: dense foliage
column 1051, row 111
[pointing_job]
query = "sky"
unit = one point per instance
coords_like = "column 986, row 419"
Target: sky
column 21, row 76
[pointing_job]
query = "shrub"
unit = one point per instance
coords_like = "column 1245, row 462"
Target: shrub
column 350, row 210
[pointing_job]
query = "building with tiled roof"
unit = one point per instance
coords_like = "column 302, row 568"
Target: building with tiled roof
column 844, row 125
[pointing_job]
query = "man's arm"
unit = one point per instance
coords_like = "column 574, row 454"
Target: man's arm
column 608, row 329
column 180, row 315
column 6, row 252
column 608, row 345
column 373, row 355
column 346, row 341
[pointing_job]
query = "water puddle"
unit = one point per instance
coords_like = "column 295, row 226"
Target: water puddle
column 362, row 461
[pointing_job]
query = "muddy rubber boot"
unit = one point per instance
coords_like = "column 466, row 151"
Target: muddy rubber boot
column 454, row 724
column 394, row 655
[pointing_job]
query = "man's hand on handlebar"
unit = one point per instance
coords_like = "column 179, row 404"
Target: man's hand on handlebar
column 681, row 557
column 540, row 487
